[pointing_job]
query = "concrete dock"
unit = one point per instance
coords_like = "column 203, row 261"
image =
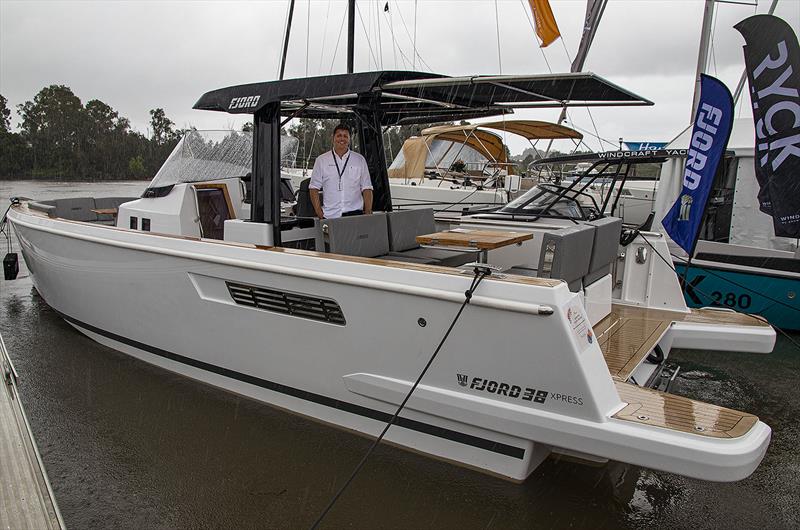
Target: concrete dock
column 26, row 499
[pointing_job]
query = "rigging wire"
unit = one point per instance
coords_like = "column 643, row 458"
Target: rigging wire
column 366, row 34
column 378, row 27
column 415, row 34
column 308, row 31
column 480, row 274
column 410, row 38
column 338, row 38
column 588, row 110
column 395, row 46
column 497, row 31
column 324, row 34
column 715, row 15
column 279, row 75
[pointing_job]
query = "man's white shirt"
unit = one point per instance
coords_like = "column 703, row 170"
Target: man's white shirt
column 355, row 178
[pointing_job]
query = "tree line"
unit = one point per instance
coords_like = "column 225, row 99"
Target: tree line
column 60, row 138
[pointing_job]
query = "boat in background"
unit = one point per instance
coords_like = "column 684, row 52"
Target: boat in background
column 738, row 263
column 456, row 167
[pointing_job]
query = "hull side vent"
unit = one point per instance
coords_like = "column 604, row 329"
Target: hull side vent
column 294, row 304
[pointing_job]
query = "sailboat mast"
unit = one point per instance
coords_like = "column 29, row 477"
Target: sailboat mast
column 351, row 30
column 286, row 39
column 702, row 56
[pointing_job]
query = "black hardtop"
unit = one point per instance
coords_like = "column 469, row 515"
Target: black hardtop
column 417, row 97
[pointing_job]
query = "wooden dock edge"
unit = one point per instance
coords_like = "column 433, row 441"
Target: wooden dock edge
column 26, row 498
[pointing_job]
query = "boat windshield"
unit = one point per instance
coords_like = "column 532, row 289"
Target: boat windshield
column 201, row 156
column 545, row 199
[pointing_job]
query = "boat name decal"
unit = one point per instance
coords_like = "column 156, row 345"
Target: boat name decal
column 644, row 153
column 504, row 389
column 516, row 391
column 244, row 102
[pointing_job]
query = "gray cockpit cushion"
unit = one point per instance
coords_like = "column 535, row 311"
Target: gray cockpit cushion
column 444, row 257
column 76, row 209
column 358, row 235
column 571, row 255
column 406, row 225
column 606, row 245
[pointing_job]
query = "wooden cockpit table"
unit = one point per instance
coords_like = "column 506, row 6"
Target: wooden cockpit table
column 483, row 240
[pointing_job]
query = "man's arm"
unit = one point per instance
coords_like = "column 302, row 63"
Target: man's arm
column 367, row 194
column 314, row 194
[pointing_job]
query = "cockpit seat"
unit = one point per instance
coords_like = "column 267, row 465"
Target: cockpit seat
column 304, row 208
column 565, row 255
column 404, row 227
column 604, row 250
column 357, row 235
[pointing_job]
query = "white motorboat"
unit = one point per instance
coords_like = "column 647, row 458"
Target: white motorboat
column 539, row 362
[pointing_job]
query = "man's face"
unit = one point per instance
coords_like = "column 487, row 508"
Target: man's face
column 341, row 140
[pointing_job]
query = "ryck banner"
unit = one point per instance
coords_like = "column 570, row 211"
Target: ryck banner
column 772, row 58
column 712, row 128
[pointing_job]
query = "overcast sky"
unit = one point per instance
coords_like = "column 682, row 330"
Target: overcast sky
column 136, row 56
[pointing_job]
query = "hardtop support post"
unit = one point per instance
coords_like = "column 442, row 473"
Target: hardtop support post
column 266, row 204
column 370, row 133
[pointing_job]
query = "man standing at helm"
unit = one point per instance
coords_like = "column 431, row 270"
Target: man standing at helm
column 343, row 178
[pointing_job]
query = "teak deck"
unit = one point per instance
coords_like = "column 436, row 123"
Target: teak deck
column 629, row 333
column 626, row 340
column 679, row 413
column 480, row 239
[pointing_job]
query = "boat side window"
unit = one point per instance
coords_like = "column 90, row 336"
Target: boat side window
column 145, row 224
column 134, row 223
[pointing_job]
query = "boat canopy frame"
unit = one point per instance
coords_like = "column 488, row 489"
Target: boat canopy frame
column 385, row 98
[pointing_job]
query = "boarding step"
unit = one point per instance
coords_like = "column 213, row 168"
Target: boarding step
column 628, row 334
column 626, row 338
column 679, row 413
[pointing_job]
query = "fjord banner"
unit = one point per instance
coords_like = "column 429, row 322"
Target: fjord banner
column 772, row 58
column 710, row 133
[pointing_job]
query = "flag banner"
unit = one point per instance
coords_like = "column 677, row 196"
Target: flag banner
column 772, row 59
column 713, row 122
column 545, row 22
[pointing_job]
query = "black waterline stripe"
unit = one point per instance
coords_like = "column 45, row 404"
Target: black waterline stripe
column 414, row 425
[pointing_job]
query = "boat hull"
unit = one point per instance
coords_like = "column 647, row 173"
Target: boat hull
column 774, row 297
column 167, row 300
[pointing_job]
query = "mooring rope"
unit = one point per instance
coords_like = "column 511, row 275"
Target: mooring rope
column 480, row 274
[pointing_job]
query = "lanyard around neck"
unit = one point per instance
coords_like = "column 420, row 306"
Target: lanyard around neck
column 340, row 171
column 344, row 167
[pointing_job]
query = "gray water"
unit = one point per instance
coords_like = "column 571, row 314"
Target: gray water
column 129, row 445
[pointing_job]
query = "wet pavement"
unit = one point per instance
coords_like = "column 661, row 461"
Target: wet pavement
column 129, row 445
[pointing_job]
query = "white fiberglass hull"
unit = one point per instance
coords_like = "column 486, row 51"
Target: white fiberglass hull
column 166, row 300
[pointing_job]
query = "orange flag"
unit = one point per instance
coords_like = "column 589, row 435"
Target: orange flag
column 546, row 27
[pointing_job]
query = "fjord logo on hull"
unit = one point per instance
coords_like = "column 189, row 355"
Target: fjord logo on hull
column 503, row 389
